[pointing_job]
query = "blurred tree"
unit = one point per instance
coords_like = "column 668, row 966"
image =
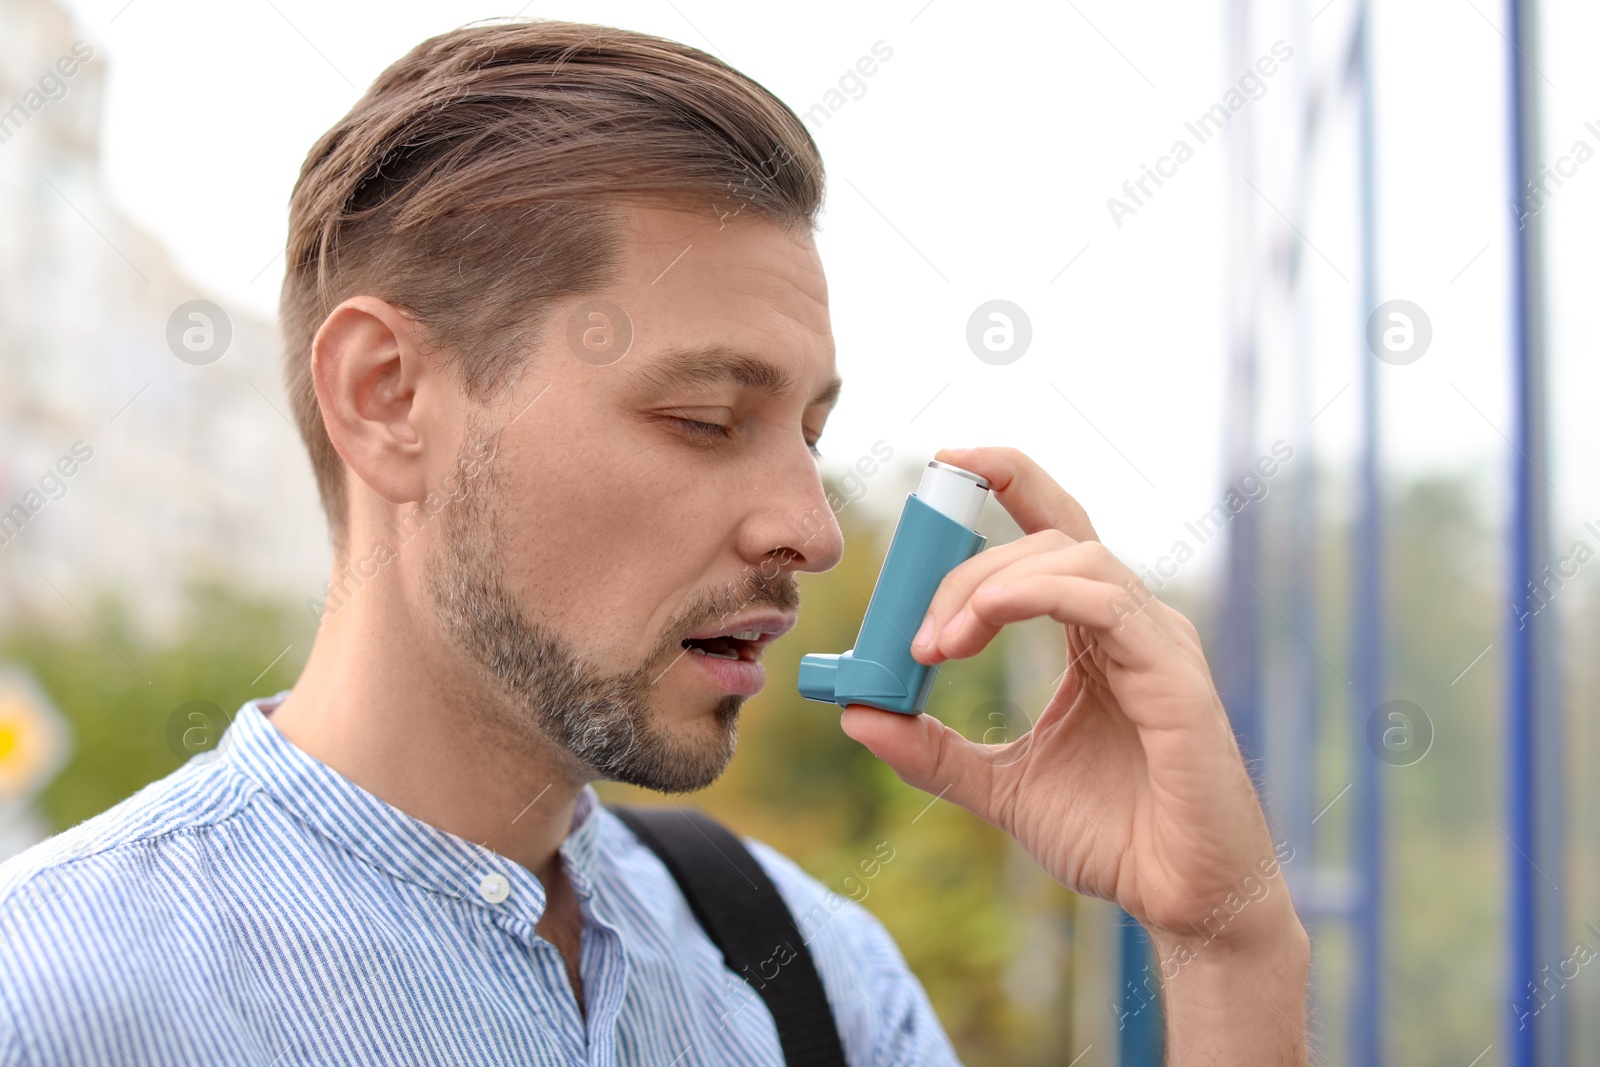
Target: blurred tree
column 122, row 695
column 1443, row 897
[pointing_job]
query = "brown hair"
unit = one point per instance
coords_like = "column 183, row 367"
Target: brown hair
column 474, row 184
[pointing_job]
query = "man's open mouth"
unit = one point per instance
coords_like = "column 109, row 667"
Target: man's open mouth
column 745, row 645
column 741, row 638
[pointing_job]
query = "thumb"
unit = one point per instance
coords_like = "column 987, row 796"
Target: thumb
column 927, row 754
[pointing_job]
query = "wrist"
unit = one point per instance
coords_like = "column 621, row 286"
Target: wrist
column 1234, row 935
column 1236, row 995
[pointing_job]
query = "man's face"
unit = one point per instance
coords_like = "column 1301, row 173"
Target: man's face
column 643, row 497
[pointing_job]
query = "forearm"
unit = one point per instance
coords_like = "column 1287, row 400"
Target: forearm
column 1236, row 1003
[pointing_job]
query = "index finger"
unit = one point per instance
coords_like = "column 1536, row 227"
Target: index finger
column 1023, row 488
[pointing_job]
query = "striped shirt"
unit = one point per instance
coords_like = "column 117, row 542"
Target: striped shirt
column 256, row 907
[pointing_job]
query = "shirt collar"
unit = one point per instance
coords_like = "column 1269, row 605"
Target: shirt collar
column 389, row 839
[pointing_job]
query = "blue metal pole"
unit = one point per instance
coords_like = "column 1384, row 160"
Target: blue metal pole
column 1239, row 647
column 1366, row 637
column 1140, row 1040
column 1536, row 1034
column 1303, row 712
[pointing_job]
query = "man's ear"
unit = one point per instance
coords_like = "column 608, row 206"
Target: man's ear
column 368, row 367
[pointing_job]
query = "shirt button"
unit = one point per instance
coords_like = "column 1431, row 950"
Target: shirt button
column 494, row 888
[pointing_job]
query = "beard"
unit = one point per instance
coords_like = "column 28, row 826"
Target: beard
column 601, row 721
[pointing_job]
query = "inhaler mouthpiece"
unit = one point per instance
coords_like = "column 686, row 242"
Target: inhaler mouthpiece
column 936, row 534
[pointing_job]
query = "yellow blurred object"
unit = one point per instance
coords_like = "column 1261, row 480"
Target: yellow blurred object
column 33, row 737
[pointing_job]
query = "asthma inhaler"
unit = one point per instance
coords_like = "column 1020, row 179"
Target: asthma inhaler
column 934, row 536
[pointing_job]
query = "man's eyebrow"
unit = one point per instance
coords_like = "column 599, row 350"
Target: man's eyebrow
column 682, row 368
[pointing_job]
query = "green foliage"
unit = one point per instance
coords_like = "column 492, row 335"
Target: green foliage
column 120, row 692
column 1444, row 905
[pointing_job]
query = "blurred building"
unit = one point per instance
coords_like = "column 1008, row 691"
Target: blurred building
column 121, row 464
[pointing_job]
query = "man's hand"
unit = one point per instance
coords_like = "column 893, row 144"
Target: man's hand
column 1130, row 786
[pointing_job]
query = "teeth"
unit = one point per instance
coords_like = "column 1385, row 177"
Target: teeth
column 747, row 635
column 718, row 655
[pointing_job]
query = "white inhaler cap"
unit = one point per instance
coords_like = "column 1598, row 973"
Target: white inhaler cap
column 953, row 492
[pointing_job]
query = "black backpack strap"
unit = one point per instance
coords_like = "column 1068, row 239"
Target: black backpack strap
column 740, row 910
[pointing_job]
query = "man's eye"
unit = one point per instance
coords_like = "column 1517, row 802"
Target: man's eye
column 710, row 431
column 705, row 430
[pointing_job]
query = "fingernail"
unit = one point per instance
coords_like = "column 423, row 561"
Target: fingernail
column 925, row 634
column 955, row 623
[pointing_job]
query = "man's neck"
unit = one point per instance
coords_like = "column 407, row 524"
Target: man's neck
column 385, row 709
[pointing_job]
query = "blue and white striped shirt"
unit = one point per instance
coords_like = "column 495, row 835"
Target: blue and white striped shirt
column 256, row 907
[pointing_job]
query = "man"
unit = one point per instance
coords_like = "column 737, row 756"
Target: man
column 557, row 337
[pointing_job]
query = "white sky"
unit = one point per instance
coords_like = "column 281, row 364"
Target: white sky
column 977, row 166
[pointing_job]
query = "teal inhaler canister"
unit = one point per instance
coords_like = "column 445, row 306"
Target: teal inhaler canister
column 934, row 536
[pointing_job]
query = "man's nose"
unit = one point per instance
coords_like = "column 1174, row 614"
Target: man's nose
column 798, row 528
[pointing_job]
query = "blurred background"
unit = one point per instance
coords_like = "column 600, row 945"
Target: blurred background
column 1291, row 294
